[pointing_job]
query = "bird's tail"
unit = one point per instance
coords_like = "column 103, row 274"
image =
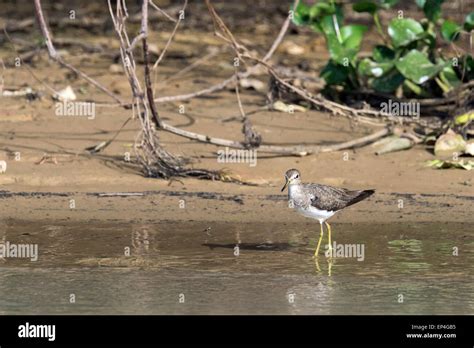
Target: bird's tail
column 361, row 196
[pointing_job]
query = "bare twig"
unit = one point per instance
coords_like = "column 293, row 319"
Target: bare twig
column 149, row 89
column 217, row 87
column 252, row 137
column 192, row 66
column 56, row 57
column 2, row 80
column 162, row 12
column 52, row 91
column 220, row 86
column 44, row 29
column 239, row 101
column 280, row 36
column 155, row 160
column 170, row 39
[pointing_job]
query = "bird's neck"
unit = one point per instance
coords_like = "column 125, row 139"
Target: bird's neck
column 294, row 188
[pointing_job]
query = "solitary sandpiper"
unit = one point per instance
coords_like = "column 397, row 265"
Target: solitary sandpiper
column 319, row 202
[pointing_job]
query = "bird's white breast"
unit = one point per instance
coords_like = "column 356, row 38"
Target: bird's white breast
column 315, row 213
column 302, row 204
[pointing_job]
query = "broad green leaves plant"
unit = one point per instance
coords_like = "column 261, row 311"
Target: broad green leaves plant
column 469, row 22
column 417, row 67
column 432, row 9
column 450, row 30
column 404, row 31
column 406, row 60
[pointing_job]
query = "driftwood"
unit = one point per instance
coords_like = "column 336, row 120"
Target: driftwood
column 298, row 150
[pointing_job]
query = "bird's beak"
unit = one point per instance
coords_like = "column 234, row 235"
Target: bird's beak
column 284, row 186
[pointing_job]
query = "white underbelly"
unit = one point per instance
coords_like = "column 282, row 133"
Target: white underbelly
column 314, row 213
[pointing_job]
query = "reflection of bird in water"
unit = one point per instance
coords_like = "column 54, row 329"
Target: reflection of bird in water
column 318, row 268
column 141, row 241
column 319, row 202
column 311, row 297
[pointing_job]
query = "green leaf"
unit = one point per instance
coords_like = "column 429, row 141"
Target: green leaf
column 432, row 9
column 417, row 67
column 334, row 74
column 470, row 62
column 344, row 49
column 364, row 67
column 448, row 76
column 450, row 30
column 320, row 9
column 339, row 13
column 404, row 31
column 413, row 87
column 327, row 25
column 301, row 14
column 327, row 22
column 352, row 36
column 338, row 51
column 370, row 68
column 388, row 3
column 469, row 21
column 382, row 53
column 365, row 6
column 468, row 66
column 429, row 36
column 389, row 82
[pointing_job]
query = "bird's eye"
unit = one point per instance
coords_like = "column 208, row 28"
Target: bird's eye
column 297, row 176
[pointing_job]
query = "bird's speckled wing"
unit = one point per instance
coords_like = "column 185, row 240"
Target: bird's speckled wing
column 330, row 198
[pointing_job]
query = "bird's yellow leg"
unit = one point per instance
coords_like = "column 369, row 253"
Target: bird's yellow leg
column 319, row 242
column 316, row 263
column 329, row 238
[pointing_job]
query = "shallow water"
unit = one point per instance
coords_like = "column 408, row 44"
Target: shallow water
column 192, row 268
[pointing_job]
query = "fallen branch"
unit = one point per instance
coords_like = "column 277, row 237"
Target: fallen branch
column 299, row 150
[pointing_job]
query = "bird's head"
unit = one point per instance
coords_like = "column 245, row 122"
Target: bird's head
column 292, row 176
